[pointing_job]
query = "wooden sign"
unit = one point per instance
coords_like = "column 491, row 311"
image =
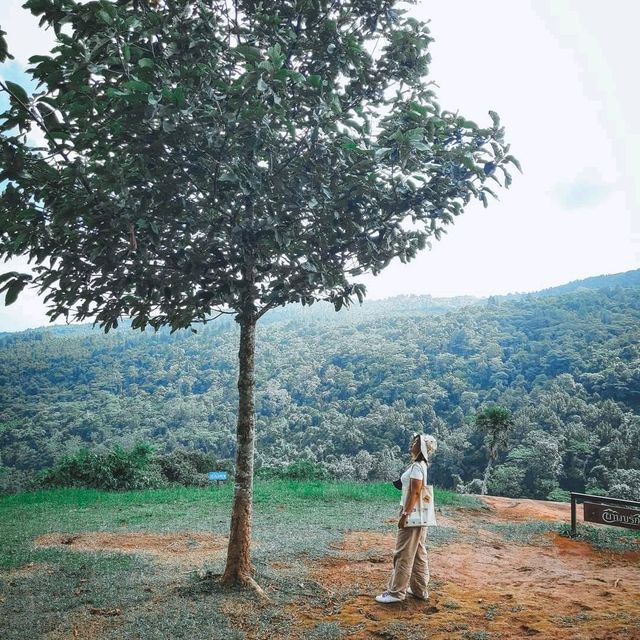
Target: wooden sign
column 612, row 515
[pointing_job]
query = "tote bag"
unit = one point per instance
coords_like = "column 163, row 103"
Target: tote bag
column 424, row 512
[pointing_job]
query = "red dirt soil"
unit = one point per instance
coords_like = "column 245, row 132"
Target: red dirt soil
column 486, row 587
column 179, row 548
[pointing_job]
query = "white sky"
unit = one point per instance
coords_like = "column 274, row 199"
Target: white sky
column 562, row 75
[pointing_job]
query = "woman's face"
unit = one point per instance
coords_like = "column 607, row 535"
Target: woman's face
column 414, row 448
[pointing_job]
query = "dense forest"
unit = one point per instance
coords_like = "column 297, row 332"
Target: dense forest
column 345, row 390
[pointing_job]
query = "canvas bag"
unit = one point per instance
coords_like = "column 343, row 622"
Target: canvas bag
column 424, row 513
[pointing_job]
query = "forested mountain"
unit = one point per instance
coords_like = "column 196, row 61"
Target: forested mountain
column 626, row 279
column 345, row 390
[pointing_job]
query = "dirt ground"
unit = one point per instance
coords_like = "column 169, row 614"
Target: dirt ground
column 485, row 587
column 174, row 548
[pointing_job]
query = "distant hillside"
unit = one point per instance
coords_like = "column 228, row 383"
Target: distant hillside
column 345, row 390
column 625, row 279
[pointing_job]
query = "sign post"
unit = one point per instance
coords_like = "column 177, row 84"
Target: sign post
column 218, row 476
column 602, row 510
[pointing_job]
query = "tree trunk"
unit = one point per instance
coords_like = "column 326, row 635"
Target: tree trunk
column 238, row 569
column 485, row 480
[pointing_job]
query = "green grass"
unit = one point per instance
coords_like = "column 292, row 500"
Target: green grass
column 609, row 539
column 534, row 532
column 293, row 522
column 527, row 532
column 279, row 504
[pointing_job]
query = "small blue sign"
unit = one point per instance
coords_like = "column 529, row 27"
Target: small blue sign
column 217, row 475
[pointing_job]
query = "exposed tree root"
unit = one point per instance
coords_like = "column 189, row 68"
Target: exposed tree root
column 244, row 582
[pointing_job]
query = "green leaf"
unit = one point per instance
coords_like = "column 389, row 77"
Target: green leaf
column 178, row 97
column 468, row 124
column 17, row 91
column 249, row 53
column 349, row 144
column 415, row 134
column 105, row 17
column 112, row 92
column 4, row 51
column 137, row 85
column 146, row 63
column 12, row 292
column 514, row 162
column 314, row 81
column 468, row 162
column 6, row 276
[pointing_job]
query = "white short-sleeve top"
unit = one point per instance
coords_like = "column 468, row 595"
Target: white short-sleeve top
column 417, row 470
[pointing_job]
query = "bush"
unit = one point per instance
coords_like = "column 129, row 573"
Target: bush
column 386, row 466
column 475, row 486
column 16, row 481
column 625, row 484
column 597, row 491
column 559, row 495
column 114, row 470
column 300, row 470
column 341, row 468
column 506, row 480
column 189, row 467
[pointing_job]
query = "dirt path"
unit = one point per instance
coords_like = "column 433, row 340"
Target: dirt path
column 486, row 587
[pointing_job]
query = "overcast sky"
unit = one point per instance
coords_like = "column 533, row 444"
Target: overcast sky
column 562, row 75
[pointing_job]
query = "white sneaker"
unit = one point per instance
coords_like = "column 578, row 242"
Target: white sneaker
column 387, row 598
column 410, row 592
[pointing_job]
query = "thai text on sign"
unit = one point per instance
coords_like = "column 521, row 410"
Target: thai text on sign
column 612, row 515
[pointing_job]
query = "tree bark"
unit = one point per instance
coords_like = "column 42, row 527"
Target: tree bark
column 485, row 480
column 238, row 568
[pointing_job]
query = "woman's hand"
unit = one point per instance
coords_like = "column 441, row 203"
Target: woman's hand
column 403, row 521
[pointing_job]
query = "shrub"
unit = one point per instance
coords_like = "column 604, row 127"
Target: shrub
column 625, row 484
column 559, row 495
column 386, row 466
column 341, row 468
column 113, row 470
column 16, row 480
column 506, row 480
column 300, row 470
column 189, row 467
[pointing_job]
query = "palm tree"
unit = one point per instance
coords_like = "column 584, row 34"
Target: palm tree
column 496, row 424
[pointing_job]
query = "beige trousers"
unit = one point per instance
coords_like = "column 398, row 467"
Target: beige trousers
column 410, row 563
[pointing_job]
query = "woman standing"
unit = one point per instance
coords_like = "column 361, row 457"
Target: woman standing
column 410, row 565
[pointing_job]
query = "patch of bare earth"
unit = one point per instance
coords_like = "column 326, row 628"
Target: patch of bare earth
column 185, row 550
column 27, row 570
column 179, row 548
column 563, row 589
column 87, row 624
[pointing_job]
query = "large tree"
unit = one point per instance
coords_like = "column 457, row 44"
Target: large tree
column 229, row 156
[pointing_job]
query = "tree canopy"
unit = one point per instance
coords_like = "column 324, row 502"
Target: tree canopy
column 197, row 155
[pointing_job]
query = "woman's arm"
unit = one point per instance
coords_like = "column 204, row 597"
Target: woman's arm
column 413, row 495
